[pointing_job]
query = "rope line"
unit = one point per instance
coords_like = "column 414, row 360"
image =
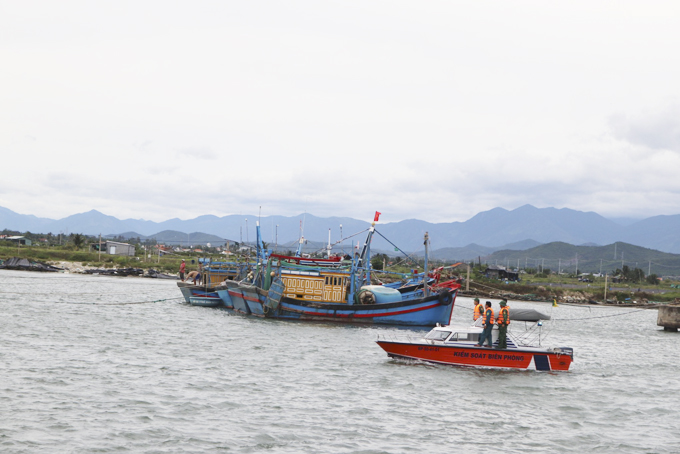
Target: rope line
column 569, row 319
column 599, row 316
column 122, row 304
column 63, row 293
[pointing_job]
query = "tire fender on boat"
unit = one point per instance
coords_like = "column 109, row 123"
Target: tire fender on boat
column 445, row 297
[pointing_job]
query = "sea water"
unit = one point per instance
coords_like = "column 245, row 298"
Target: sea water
column 94, row 364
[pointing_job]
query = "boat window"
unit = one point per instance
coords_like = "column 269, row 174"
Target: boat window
column 459, row 337
column 437, row 335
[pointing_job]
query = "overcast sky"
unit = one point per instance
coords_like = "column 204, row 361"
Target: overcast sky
column 432, row 110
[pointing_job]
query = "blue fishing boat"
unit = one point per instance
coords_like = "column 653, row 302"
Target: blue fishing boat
column 309, row 289
column 212, row 291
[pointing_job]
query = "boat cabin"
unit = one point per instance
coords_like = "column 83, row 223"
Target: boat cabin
column 467, row 334
column 315, row 286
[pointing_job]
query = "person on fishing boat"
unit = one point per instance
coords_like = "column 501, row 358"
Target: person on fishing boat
column 503, row 322
column 488, row 326
column 195, row 276
column 478, row 310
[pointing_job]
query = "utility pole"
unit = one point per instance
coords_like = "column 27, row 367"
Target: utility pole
column 577, row 265
column 600, row 266
column 100, row 247
column 605, row 288
column 649, row 271
column 559, row 266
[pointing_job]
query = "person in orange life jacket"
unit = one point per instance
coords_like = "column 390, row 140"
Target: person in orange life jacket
column 503, row 322
column 488, row 326
column 478, row 310
column 182, row 269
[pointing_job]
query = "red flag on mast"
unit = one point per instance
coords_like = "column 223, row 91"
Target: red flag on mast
column 377, row 215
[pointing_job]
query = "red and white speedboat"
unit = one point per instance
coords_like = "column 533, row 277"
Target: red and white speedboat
column 457, row 345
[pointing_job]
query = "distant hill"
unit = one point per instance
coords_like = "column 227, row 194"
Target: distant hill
column 173, row 237
column 559, row 256
column 473, row 251
column 488, row 229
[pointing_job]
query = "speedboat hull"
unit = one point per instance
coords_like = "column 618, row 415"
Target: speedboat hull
column 533, row 358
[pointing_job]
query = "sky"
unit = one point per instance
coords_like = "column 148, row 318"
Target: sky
column 430, row 110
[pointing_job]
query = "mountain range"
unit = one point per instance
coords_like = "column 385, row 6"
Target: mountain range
column 493, row 230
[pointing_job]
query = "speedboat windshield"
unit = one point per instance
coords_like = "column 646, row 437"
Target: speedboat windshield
column 437, row 335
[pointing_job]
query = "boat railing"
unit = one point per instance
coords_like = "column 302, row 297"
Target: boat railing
column 532, row 336
column 400, row 338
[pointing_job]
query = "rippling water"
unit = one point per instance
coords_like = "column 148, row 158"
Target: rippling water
column 84, row 373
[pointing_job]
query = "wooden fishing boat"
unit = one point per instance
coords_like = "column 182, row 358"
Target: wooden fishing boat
column 212, row 290
column 202, row 295
column 457, row 345
column 311, row 289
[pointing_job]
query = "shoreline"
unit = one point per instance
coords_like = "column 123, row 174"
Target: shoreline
column 576, row 301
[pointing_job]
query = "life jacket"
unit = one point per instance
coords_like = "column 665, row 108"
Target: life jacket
column 479, row 311
column 504, row 316
column 491, row 320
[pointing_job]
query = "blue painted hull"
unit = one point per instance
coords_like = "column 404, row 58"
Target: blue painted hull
column 254, row 299
column 417, row 312
column 197, row 295
column 427, row 311
column 412, row 310
column 236, row 296
column 226, row 299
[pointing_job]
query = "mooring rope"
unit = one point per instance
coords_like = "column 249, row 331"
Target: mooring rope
column 575, row 305
column 122, row 304
column 64, row 293
column 598, row 316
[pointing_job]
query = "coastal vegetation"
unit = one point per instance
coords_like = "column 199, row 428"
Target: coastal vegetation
column 623, row 286
column 623, row 283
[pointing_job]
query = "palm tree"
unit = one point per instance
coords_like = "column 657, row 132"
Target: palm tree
column 78, row 240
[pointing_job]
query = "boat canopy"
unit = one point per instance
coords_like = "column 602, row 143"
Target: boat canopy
column 527, row 315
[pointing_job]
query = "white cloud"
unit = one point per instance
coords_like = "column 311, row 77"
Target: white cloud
column 655, row 130
column 434, row 111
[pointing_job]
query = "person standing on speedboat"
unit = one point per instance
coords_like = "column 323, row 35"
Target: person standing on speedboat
column 503, row 322
column 488, row 326
column 478, row 311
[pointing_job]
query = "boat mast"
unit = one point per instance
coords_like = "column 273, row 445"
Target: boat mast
column 329, row 244
column 298, row 253
column 364, row 260
column 425, row 290
column 261, row 253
